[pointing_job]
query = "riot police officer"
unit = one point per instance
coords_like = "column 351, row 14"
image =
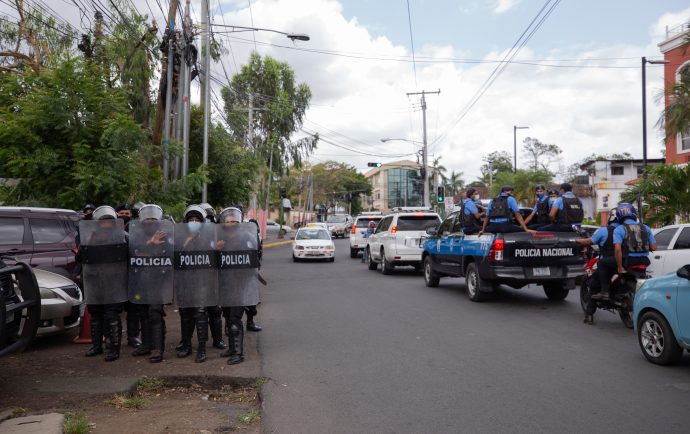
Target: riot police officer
column 541, row 209
column 603, row 237
column 151, row 286
column 102, row 252
column 501, row 211
column 87, row 211
column 192, row 302
column 215, row 313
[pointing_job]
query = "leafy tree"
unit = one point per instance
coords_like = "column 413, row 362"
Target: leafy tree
column 279, row 106
column 523, row 182
column 495, row 163
column 675, row 117
column 454, row 183
column 540, row 154
column 666, row 192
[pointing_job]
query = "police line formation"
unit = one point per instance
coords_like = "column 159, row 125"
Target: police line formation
column 204, row 268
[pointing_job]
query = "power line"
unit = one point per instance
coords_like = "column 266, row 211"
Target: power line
column 414, row 64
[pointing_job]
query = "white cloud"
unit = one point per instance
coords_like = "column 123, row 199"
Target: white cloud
column 502, row 6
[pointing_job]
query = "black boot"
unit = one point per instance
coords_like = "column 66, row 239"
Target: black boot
column 115, row 333
column 133, row 325
column 96, row 337
column 251, row 326
column 201, row 320
column 215, row 322
column 157, row 333
column 187, row 326
column 589, row 319
column 236, row 345
column 145, row 348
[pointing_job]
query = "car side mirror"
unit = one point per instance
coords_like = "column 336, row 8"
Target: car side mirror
column 431, row 231
column 684, row 272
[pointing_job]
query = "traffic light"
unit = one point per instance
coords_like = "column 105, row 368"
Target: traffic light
column 374, row 164
column 283, row 192
column 439, row 194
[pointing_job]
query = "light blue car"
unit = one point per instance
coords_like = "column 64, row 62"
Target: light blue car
column 662, row 317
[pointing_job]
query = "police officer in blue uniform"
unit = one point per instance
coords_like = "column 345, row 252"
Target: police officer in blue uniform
column 603, row 237
column 541, row 209
column 566, row 212
column 470, row 213
column 500, row 213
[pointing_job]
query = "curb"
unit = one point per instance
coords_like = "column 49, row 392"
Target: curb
column 277, row 243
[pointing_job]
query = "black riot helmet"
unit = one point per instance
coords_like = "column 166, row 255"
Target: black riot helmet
column 232, row 213
column 135, row 209
column 150, row 211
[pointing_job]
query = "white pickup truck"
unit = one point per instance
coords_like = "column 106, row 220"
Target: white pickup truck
column 673, row 249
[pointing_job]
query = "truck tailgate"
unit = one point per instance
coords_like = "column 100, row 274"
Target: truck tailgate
column 542, row 249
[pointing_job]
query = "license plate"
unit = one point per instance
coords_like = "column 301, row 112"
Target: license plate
column 541, row 271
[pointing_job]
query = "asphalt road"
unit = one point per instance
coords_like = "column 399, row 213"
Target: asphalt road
column 350, row 350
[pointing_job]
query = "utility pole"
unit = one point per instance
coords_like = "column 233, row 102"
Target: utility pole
column 187, row 75
column 205, row 87
column 426, row 202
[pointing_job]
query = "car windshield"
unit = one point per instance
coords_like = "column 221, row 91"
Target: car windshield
column 312, row 234
column 336, row 219
column 364, row 221
column 417, row 223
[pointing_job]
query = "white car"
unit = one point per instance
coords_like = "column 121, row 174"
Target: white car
column 673, row 249
column 313, row 243
column 273, row 228
column 397, row 238
column 62, row 303
column 339, row 225
column 359, row 229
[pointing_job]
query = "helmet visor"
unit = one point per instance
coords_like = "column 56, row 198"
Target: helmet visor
column 150, row 212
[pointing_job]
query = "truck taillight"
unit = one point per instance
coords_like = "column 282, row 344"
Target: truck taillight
column 394, row 229
column 354, row 229
column 496, row 252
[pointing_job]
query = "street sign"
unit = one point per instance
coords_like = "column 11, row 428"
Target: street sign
column 448, row 201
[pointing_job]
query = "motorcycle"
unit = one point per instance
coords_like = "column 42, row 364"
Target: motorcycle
column 625, row 286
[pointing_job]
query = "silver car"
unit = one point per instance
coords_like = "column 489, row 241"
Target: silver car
column 62, row 303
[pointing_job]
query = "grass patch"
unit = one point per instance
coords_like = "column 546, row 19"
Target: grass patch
column 239, row 395
column 122, row 401
column 259, row 383
column 249, row 417
column 18, row 412
column 76, row 423
column 149, row 384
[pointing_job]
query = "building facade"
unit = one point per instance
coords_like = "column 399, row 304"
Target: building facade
column 395, row 184
column 676, row 50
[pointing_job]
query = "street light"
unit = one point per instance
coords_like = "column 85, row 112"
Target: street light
column 402, row 140
column 515, row 128
column 293, row 36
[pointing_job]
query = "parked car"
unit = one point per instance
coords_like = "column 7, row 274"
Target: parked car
column 359, row 229
column 397, row 238
column 662, row 316
column 313, row 243
column 272, row 228
column 42, row 237
column 673, row 249
column 339, row 225
column 62, row 303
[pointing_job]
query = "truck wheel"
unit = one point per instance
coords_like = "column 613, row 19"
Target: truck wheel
column 657, row 340
column 370, row 262
column 474, row 282
column 353, row 252
column 430, row 277
column 386, row 267
column 555, row 291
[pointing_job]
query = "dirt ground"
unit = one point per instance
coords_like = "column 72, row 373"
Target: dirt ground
column 132, row 395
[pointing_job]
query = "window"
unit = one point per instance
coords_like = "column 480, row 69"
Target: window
column 640, row 171
column 683, row 241
column 312, row 234
column 11, row 230
column 47, row 231
column 363, row 222
column 446, row 225
column 457, row 226
column 384, row 224
column 663, row 238
column 417, row 223
column 404, row 187
column 685, row 141
column 617, row 170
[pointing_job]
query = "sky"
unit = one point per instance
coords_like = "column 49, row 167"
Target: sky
column 575, row 83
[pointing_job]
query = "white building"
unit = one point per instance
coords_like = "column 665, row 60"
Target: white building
column 608, row 179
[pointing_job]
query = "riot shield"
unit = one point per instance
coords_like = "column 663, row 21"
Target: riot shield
column 151, row 262
column 103, row 252
column 196, row 275
column 238, row 263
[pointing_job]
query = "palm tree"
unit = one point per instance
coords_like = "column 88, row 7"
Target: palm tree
column 666, row 193
column 437, row 171
column 455, row 183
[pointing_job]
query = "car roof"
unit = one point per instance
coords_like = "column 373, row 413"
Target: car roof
column 313, row 228
column 37, row 209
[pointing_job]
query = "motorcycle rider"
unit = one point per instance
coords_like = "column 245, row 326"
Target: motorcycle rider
column 152, row 316
column 500, row 213
column 603, row 237
column 540, row 210
column 632, row 242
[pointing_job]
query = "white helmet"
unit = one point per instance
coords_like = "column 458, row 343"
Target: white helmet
column 150, row 211
column 104, row 212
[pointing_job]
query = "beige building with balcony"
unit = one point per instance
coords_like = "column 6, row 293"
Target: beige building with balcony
column 394, row 184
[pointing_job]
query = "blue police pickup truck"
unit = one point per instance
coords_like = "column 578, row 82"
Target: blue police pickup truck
column 550, row 259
